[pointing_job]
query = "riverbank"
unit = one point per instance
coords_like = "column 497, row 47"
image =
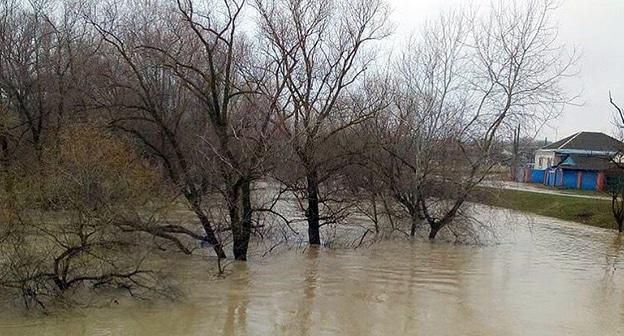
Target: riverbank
column 594, row 212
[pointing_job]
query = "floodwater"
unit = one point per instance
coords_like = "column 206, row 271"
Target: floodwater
column 555, row 279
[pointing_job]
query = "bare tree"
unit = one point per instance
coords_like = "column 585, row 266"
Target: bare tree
column 24, row 40
column 46, row 67
column 619, row 115
column 144, row 99
column 468, row 77
column 615, row 188
column 226, row 78
column 319, row 49
column 216, row 78
column 615, row 177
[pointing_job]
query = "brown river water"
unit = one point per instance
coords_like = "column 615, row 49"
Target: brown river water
column 555, row 278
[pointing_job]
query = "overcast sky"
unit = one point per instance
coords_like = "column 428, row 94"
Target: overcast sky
column 596, row 27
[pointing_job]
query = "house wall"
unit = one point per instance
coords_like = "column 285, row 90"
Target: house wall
column 590, row 180
column 552, row 177
column 601, row 180
column 544, row 159
column 576, row 179
column 537, row 176
column 570, row 179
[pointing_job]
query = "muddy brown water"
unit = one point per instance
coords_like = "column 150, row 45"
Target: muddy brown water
column 556, row 279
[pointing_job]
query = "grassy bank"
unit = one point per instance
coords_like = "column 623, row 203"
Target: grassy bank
column 588, row 211
column 570, row 191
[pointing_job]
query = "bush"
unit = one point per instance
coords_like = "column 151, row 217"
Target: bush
column 61, row 217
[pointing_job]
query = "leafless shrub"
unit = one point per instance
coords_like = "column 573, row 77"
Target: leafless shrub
column 60, row 220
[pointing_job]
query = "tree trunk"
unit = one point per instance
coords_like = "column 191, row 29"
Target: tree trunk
column 515, row 153
column 241, row 226
column 205, row 222
column 435, row 228
column 60, row 284
column 233, row 200
column 312, row 214
column 375, row 215
column 415, row 221
column 617, row 208
column 4, row 147
column 211, row 237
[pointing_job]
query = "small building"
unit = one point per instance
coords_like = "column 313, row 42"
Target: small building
column 578, row 161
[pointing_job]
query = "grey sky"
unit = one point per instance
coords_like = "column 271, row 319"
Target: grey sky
column 596, row 27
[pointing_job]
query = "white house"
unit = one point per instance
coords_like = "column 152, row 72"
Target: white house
column 585, row 144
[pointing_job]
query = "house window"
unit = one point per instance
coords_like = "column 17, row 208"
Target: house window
column 540, row 162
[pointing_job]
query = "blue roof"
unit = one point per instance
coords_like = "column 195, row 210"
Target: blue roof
column 568, row 161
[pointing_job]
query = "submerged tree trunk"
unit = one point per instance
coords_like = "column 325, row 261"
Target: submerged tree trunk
column 247, row 216
column 211, row 238
column 233, row 200
column 415, row 220
column 437, row 224
column 241, row 225
column 617, row 208
column 435, row 228
column 312, row 214
column 375, row 212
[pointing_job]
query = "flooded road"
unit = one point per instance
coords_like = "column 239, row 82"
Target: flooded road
column 556, row 279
